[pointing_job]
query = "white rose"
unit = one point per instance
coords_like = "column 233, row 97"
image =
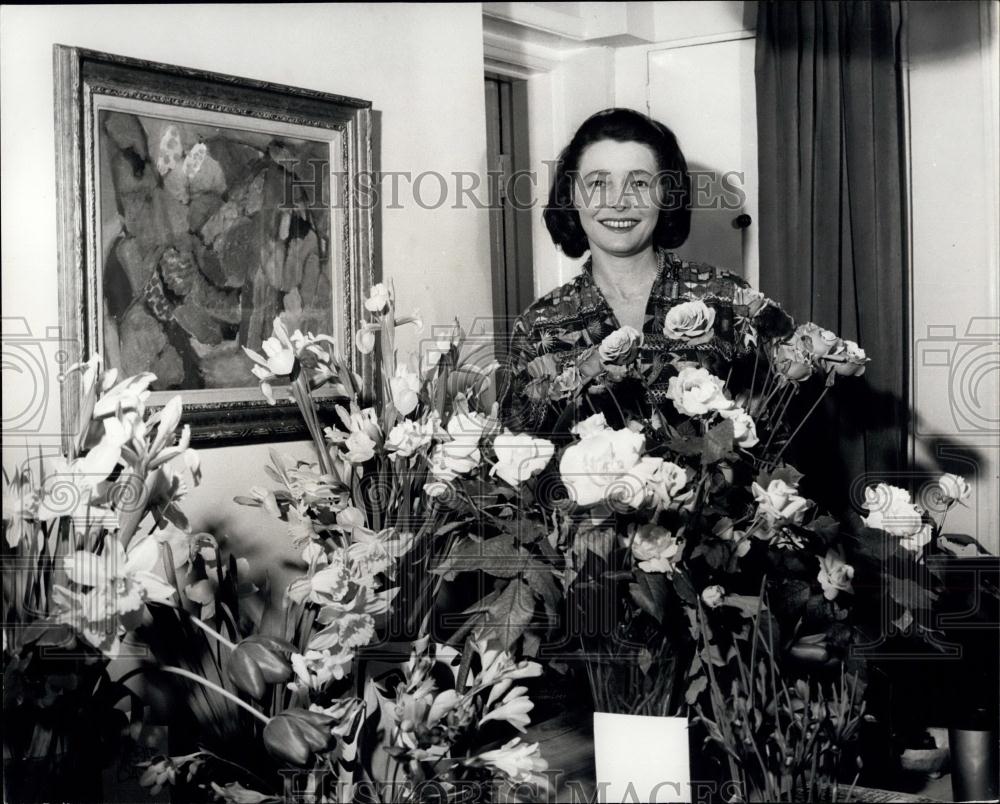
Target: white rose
column 520, row 456
column 835, row 575
column 744, row 427
column 656, row 549
column 621, row 347
column 695, row 392
column 590, row 426
column 405, row 387
column 593, row 468
column 666, row 484
column 780, row 502
column 688, row 320
column 378, row 299
column 849, row 360
column 712, row 596
column 890, row 510
column 953, row 488
column 817, row 341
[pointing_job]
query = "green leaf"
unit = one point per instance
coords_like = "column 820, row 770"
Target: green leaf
column 542, row 583
column 718, row 442
column 686, row 446
column 908, row 594
column 748, row 605
column 695, row 688
column 650, row 593
column 685, row 590
column 499, row 556
column 508, row 616
column 785, row 472
column 598, row 540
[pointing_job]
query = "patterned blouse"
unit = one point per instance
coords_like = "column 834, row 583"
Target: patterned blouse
column 577, row 316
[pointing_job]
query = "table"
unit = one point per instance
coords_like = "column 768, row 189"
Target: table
column 567, row 743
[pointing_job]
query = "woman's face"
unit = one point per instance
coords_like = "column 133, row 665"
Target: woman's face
column 616, row 197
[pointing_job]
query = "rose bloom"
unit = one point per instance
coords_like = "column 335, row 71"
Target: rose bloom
column 791, row 361
column 891, row 510
column 834, row 575
column 689, row 320
column 405, row 386
column 695, row 392
column 744, row 428
column 953, row 488
column 712, row 596
column 520, row 456
column 666, row 484
column 817, row 341
column 590, row 426
column 597, row 468
column 849, row 360
column 621, row 347
column 780, row 502
column 656, row 549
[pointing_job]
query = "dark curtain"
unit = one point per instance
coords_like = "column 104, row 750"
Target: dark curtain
column 831, row 221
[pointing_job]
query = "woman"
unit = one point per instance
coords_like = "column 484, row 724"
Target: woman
column 622, row 191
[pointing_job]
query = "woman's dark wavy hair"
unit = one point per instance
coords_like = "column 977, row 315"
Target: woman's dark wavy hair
column 621, row 125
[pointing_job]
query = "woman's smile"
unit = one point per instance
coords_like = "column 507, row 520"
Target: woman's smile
column 620, row 224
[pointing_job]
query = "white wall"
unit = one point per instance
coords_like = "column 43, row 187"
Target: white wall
column 954, row 79
column 420, row 65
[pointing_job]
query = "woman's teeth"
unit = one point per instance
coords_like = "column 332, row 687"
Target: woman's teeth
column 619, row 225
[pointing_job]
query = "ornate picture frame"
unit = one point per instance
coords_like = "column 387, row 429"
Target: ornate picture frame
column 193, row 209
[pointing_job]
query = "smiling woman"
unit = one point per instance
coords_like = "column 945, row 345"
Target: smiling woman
column 621, row 190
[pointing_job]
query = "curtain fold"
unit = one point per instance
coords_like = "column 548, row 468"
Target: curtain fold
column 830, row 144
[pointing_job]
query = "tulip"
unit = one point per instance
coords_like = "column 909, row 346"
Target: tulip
column 245, row 673
column 271, row 656
column 296, row 734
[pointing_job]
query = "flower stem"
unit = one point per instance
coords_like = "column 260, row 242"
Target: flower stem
column 801, row 423
column 211, row 631
column 216, row 688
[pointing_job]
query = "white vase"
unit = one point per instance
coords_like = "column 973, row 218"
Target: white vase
column 641, row 758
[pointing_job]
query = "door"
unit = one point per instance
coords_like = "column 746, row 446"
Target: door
column 706, row 94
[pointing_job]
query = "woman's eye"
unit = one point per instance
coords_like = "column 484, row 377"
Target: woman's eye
column 597, row 183
column 640, row 183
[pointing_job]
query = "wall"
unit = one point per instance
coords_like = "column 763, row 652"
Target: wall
column 420, row 65
column 954, row 142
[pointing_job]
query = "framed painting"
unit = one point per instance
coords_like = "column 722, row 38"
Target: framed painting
column 194, row 209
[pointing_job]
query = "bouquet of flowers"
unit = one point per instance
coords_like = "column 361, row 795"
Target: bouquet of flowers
column 622, row 536
column 366, row 532
column 81, row 571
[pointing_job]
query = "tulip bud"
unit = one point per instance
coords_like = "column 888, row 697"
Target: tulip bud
column 296, row 734
column 245, row 673
column 270, row 655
